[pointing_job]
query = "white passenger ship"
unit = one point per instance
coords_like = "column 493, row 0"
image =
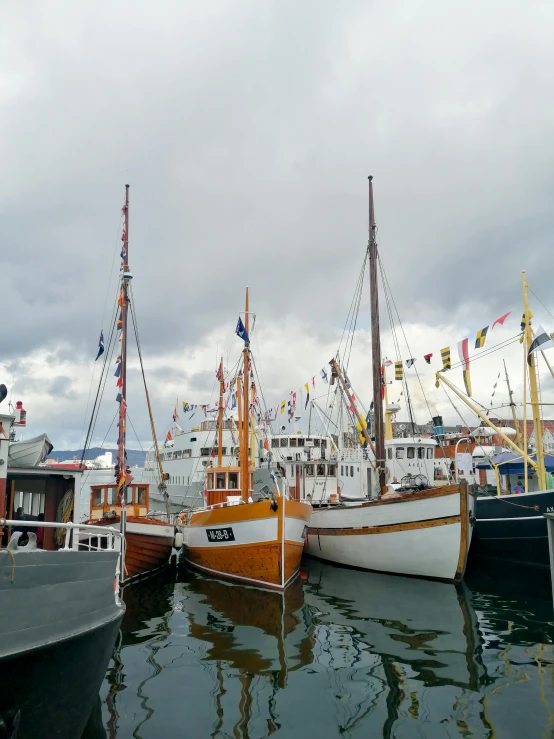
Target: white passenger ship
column 315, row 468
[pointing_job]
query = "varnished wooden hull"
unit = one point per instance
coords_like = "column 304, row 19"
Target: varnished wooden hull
column 148, row 544
column 248, row 543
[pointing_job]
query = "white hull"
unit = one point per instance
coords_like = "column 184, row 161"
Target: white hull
column 420, row 536
column 29, row 452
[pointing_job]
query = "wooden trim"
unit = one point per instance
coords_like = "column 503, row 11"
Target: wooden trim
column 387, row 529
column 420, row 495
column 464, row 516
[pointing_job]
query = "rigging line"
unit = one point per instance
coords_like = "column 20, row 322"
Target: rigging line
column 105, row 378
column 404, row 386
column 100, row 390
column 487, row 352
column 129, row 417
column 348, row 320
column 139, row 351
column 93, row 372
column 358, row 299
column 540, row 301
column 85, row 478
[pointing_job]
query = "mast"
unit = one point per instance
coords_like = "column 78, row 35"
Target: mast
column 512, row 406
column 376, row 347
column 244, row 460
column 220, row 416
column 121, row 461
column 528, row 340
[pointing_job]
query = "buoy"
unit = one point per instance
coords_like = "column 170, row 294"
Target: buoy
column 178, row 541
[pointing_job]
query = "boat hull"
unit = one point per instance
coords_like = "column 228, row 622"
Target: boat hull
column 50, row 597
column 513, row 527
column 29, row 452
column 148, row 544
column 250, row 543
column 426, row 534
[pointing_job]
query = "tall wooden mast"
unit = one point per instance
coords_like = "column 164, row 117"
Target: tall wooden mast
column 220, row 416
column 244, row 458
column 124, row 305
column 376, row 347
column 537, row 426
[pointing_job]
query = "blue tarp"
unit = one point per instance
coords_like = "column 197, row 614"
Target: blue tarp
column 516, row 467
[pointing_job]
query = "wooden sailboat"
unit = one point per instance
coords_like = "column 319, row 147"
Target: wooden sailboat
column 124, row 504
column 231, row 536
column 424, row 533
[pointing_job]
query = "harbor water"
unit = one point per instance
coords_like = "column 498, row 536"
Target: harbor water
column 342, row 653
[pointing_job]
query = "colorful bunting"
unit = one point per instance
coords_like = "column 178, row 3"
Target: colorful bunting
column 410, row 363
column 398, row 371
column 501, row 320
column 324, row 376
column 427, row 358
column 306, row 385
column 480, row 338
column 445, row 355
column 463, row 352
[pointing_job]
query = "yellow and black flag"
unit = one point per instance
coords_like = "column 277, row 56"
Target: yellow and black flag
column 445, row 355
column 398, row 372
column 480, row 338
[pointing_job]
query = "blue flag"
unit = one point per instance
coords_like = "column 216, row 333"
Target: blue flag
column 100, row 345
column 241, row 331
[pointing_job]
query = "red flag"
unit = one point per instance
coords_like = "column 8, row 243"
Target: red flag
column 501, row 319
column 427, row 358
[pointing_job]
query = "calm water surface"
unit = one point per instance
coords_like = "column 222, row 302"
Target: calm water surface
column 342, row 654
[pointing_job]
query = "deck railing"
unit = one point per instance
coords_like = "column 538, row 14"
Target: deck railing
column 107, row 538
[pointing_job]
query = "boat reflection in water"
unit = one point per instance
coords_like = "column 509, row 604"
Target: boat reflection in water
column 339, row 653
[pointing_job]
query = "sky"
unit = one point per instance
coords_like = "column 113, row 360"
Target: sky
column 246, row 132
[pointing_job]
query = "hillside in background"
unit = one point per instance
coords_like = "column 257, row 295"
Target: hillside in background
column 134, row 456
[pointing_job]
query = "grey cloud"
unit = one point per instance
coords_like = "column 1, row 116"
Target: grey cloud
column 246, row 131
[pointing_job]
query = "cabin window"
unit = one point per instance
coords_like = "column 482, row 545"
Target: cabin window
column 342, row 470
column 233, row 480
column 316, row 442
column 274, row 443
column 205, row 451
column 193, row 438
column 211, row 481
column 400, row 452
column 112, row 496
column 389, row 453
column 309, row 470
column 221, row 480
column 141, row 496
column 346, row 470
column 324, row 443
column 224, row 450
column 351, row 471
column 128, row 495
column 284, row 442
column 321, row 470
column 420, row 452
column 187, row 453
column 293, row 442
column 430, row 453
column 331, row 470
column 300, row 441
column 97, row 498
column 411, row 452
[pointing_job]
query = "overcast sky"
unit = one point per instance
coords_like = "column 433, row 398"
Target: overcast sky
column 246, row 131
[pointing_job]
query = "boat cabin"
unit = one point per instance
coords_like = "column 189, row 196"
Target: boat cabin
column 104, row 499
column 223, row 485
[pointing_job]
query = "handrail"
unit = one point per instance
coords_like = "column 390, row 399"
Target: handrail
column 108, row 532
column 60, row 525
